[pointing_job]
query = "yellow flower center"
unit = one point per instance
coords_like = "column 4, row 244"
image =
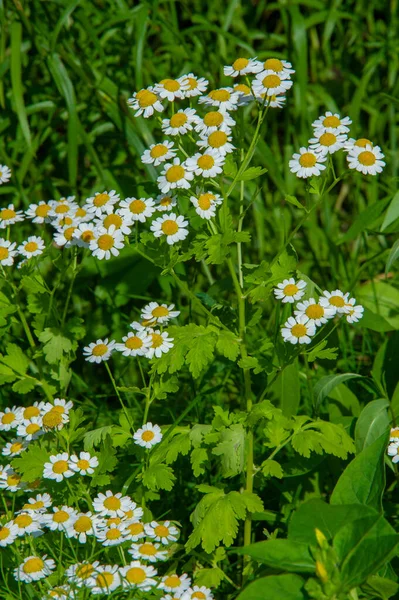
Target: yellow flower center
column 34, row 505
column 83, row 524
column 60, row 466
column 137, row 207
column 61, row 209
column 159, row 150
column 114, row 521
column 205, row 201
column 299, row 330
column 205, row 162
column 148, row 549
column 327, row 139
column 105, row 241
column 3, row 253
column 337, row 301
column 68, row 233
column 23, row 521
column 13, row 480
column 331, row 121
column 146, row 98
column 161, row 531
column 59, row 408
column 100, row 199
column 192, row 83
column 395, row 433
column 133, row 342
column 166, row 201
column 217, row 139
column 178, row 120
column 60, row 516
column 32, row 428
column 169, row 227
column 84, row 571
column 105, row 579
column 367, row 158
column 113, row 534
column 100, row 350
column 241, row 87
column 219, row 95
column 16, row 447
column 31, row 411
column 271, row 81
column 52, row 419
column 273, row 64
column 112, row 503
column 56, row 593
column 240, row 64
column 291, row 289
column 307, row 160
column 7, row 214
column 80, row 212
column 157, row 340
column 199, row 595
column 65, row 221
column 171, row 85
column 363, row 142
column 135, row 575
column 175, row 173
column 147, row 435
column 87, row 236
column 136, row 528
column 160, row 311
column 8, row 418
column 83, row 464
column 33, row 565
column 4, row 533
column 213, row 119
column 314, row 311
column 42, row 210
column 31, row 247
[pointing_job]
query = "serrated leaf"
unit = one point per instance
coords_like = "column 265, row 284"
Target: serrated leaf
column 228, row 345
column 31, row 463
column 292, row 200
column 55, row 344
column 159, row 477
column 271, row 468
column 252, row 173
column 231, row 449
column 95, row 437
column 198, row 457
column 23, row 386
column 322, row 436
column 320, row 352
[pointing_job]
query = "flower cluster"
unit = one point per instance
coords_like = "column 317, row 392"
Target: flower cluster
column 329, row 136
column 311, row 313
column 147, row 337
column 393, row 448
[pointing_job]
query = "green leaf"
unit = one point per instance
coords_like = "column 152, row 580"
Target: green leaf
column 271, row 468
column 295, row 202
column 228, row 345
column 392, row 213
column 371, row 424
column 170, row 448
column 380, row 587
column 231, row 449
column 284, row 555
column 274, row 587
column 363, row 481
column 363, row 221
column 23, row 386
column 320, row 352
column 16, row 80
column 55, row 344
column 393, row 256
column 31, row 462
column 290, row 389
column 95, row 437
column 107, row 462
column 382, row 300
column 326, row 384
column 210, row 578
column 159, row 477
column 251, row 173
column 15, row 359
column 323, row 436
column 197, row 458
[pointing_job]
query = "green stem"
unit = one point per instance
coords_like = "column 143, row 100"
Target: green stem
column 69, row 294
column 119, row 396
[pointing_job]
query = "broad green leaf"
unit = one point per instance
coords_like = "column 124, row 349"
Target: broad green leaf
column 285, row 555
column 274, row 587
column 290, row 389
column 392, row 214
column 31, row 462
column 251, row 173
column 159, row 477
column 393, row 256
column 371, row 424
column 363, row 481
column 295, row 202
column 326, row 384
column 381, row 299
column 381, row 587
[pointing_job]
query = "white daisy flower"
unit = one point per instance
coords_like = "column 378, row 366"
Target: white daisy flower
column 34, row 568
column 162, row 532
column 107, row 243
column 336, row 300
column 121, row 222
column 80, row 573
column 307, row 163
column 208, row 164
column 175, row 583
column 30, row 429
column 63, row 207
column 139, row 576
column 9, row 216
column 81, row 215
column 282, row 67
column 215, row 120
column 34, row 410
column 61, row 592
column 65, row 236
column 298, row 330
column 54, row 419
column 197, row 593
column 359, row 143
column 193, row 85
column 174, row 175
column 33, row 246
column 181, row 122
column 271, row 84
column 134, row 531
column 39, row 213
column 220, row 141
column 289, row 290
column 14, row 447
column 83, row 525
column 63, row 221
column 84, row 463
column 148, row 551
column 355, row 313
column 113, row 505
column 166, row 202
column 8, row 534
column 137, row 209
column 99, row 351
column 133, row 514
column 84, row 234
column 27, row 522
column 156, row 154
column 145, row 102
column 101, row 203
column 366, row 160
column 223, row 98
column 5, row 174
column 172, row 226
column 38, row 504
column 58, row 468
column 332, row 121
column 205, row 204
column 327, row 141
column 243, row 66
column 112, row 535
column 105, row 580
column 245, row 94
column 60, row 519
column 158, row 313
column 148, row 436
column 393, row 450
column 134, row 344
column 170, row 89
column 10, row 480
column 275, row 101
column 140, row 326
column 161, row 343
column 10, row 418
column 394, row 435
column 317, row 314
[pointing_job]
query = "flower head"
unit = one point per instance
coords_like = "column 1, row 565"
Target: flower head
column 9, row 216
column 271, row 83
column 159, row 313
column 134, row 344
column 170, row 89
column 158, row 153
column 113, row 505
column 84, row 463
column 336, row 300
column 174, row 175
column 105, row 579
column 34, row 568
column 327, row 141
column 33, row 246
column 99, row 351
column 138, row 575
column 218, row 141
column 148, row 551
column 208, row 164
column 215, row 120
column 101, row 203
column 8, row 533
column 193, row 85
column 166, row 202
column 171, row 226
column 290, row 290
column 242, row 66
column 7, row 252
column 58, row 468
column 366, row 160
column 5, row 174
column 60, row 519
column 181, row 122
column 161, row 343
column 307, row 163
column 332, row 122
column 148, row 436
column 298, row 330
column 162, row 532
column 316, row 313
column 222, row 98
column 205, row 204
column 145, row 102
column 137, row 209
